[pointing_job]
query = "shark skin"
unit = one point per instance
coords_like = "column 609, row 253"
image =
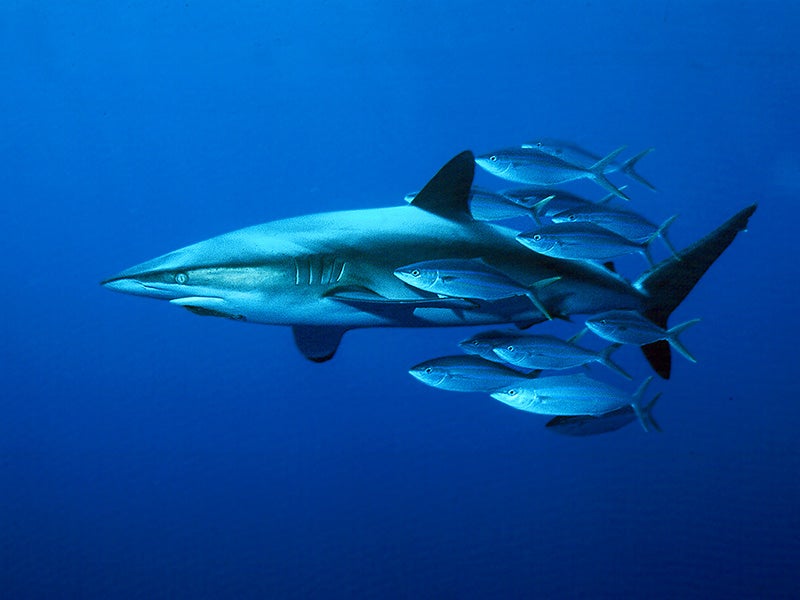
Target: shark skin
column 324, row 274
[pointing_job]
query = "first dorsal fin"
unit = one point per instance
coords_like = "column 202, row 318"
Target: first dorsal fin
column 447, row 194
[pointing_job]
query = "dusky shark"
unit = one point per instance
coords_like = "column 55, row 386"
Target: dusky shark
column 324, row 274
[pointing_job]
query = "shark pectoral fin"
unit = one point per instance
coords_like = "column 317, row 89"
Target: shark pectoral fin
column 317, row 343
column 447, row 194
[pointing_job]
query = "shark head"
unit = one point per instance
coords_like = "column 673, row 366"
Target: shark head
column 222, row 276
column 191, row 286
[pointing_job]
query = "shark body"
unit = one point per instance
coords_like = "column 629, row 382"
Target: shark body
column 324, row 274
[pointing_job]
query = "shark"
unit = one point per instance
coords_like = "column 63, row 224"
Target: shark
column 327, row 273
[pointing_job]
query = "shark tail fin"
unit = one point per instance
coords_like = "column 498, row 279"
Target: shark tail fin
column 598, row 173
column 605, row 360
column 676, row 343
column 629, row 168
column 667, row 284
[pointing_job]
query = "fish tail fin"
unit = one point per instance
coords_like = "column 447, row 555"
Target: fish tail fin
column 628, row 167
column 636, row 402
column 537, row 208
column 605, row 360
column 645, row 251
column 574, row 339
column 662, row 233
column 609, row 197
column 598, row 173
column 676, row 343
column 645, row 415
column 532, row 295
column 667, row 284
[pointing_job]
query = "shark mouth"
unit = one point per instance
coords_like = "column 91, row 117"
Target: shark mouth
column 206, row 306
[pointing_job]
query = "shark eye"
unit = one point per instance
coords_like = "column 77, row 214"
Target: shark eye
column 510, row 348
column 493, row 158
column 429, row 370
column 572, row 217
column 181, row 278
column 415, row 273
column 512, row 392
column 537, row 238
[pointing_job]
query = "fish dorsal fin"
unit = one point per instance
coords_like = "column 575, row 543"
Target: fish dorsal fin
column 317, row 343
column 447, row 194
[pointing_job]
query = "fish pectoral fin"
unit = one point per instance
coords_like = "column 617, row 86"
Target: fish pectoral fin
column 317, row 343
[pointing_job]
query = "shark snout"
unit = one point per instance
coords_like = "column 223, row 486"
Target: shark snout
column 131, row 285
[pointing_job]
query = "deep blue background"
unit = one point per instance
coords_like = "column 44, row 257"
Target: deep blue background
column 145, row 452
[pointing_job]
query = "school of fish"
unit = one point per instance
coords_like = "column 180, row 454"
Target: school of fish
column 514, row 367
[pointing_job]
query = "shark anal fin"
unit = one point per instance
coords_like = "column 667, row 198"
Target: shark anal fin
column 317, row 343
column 447, row 194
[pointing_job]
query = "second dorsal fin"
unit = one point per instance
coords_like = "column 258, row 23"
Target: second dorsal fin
column 447, row 194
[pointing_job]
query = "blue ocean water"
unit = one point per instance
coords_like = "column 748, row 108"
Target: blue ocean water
column 146, row 452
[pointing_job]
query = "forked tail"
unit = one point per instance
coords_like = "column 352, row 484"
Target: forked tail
column 670, row 281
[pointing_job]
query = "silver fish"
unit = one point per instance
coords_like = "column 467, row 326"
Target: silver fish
column 581, row 241
column 570, row 395
column 532, row 166
column 630, row 327
column 622, row 222
column 573, row 153
column 469, row 278
column 586, row 425
column 461, row 373
column 550, row 352
column 546, row 202
column 482, row 344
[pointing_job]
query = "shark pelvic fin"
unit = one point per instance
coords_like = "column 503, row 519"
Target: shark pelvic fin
column 447, row 194
column 317, row 343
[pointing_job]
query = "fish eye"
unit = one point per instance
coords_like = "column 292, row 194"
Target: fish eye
column 429, row 370
column 415, row 273
column 510, row 348
column 475, row 342
column 512, row 392
column 181, row 278
column 539, row 144
column 572, row 217
column 493, row 158
column 537, row 238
